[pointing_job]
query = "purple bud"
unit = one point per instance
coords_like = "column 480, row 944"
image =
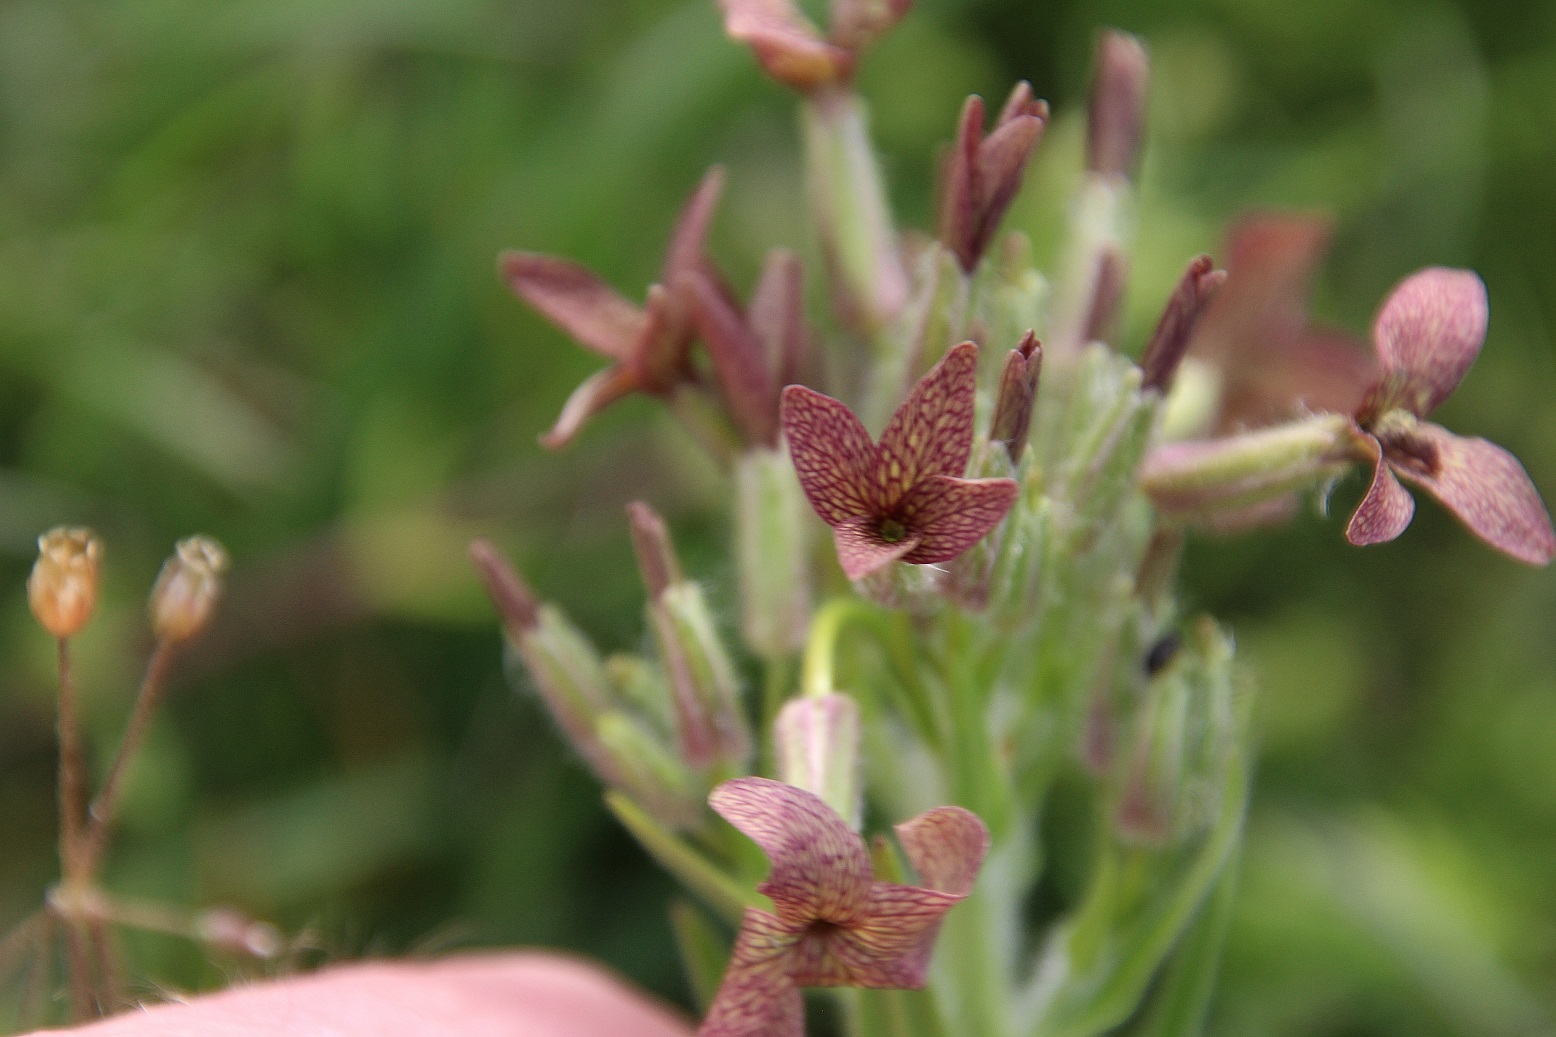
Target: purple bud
column 656, row 554
column 1170, row 342
column 1014, row 398
column 1115, row 124
column 515, row 602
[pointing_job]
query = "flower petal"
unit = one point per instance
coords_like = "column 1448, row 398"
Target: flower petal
column 1489, row 491
column 785, row 42
column 685, row 254
column 1386, row 510
column 890, row 946
column 931, row 433
column 951, row 515
column 832, row 452
column 575, row 300
column 757, row 998
column 861, row 551
column 597, row 392
column 821, row 869
column 777, row 315
column 742, row 372
column 946, row 846
column 1427, row 334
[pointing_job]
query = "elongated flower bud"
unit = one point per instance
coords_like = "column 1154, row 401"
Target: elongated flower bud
column 1170, row 342
column 647, row 771
column 1188, row 733
column 713, row 726
column 818, row 750
column 62, row 589
column 702, row 678
column 1115, row 125
column 772, row 543
column 848, row 200
column 1017, row 391
column 656, row 555
column 187, row 589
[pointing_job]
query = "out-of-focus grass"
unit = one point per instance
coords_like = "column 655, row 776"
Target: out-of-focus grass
column 246, row 287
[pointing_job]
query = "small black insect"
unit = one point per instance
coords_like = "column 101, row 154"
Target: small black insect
column 1162, row 652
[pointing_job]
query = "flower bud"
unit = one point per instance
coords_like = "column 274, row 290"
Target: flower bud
column 848, row 200
column 1014, row 398
column 772, row 543
column 515, row 602
column 570, row 679
column 639, row 683
column 1170, row 342
column 656, row 555
column 643, row 768
column 187, row 588
column 818, row 750
column 1115, row 122
column 1188, row 737
column 62, row 589
column 1107, row 295
column 702, row 678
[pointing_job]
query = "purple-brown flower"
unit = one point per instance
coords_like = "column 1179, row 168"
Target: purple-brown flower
column 649, row 345
column 904, row 498
column 982, row 174
column 1427, row 335
column 794, row 51
column 833, row 924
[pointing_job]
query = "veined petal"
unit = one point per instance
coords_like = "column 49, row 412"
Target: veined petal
column 832, row 453
column 757, row 998
column 785, row 42
column 861, row 550
column 575, row 300
column 1489, row 491
column 597, row 392
column 1386, row 510
column 950, row 515
column 889, row 947
column 931, row 433
column 691, row 228
column 1428, row 333
column 821, row 869
column 946, row 846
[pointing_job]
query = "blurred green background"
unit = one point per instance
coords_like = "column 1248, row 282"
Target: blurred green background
column 247, row 288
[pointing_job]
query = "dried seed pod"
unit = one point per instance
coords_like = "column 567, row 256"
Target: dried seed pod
column 187, row 588
column 62, row 589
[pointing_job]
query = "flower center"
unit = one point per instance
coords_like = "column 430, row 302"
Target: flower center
column 892, row 531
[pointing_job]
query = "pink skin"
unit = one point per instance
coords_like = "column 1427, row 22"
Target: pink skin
column 833, row 924
column 496, row 995
column 904, row 498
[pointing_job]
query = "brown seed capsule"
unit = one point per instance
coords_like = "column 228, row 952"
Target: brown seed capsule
column 187, row 588
column 62, row 589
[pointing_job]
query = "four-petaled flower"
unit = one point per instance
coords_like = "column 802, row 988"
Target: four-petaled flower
column 904, row 499
column 649, row 346
column 833, row 924
column 1427, row 335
